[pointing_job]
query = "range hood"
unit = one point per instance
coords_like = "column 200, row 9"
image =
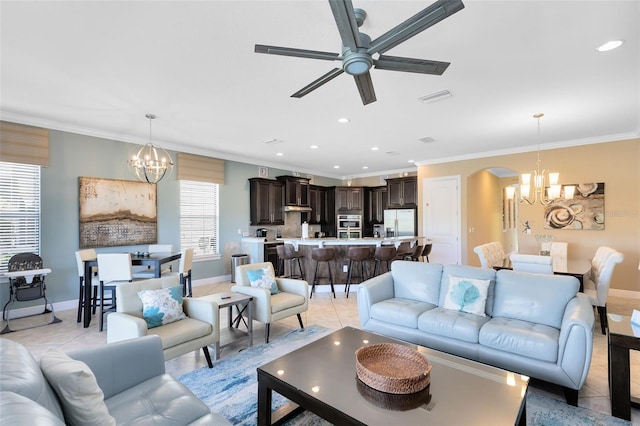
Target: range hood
column 296, row 209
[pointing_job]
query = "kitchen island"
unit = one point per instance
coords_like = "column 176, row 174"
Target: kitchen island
column 341, row 262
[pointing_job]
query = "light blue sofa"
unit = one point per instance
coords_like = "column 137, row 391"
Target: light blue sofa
column 536, row 325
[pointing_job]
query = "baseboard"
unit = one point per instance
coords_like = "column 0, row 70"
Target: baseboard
column 624, row 293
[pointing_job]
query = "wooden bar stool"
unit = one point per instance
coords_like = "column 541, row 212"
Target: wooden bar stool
column 323, row 254
column 357, row 257
column 426, row 251
column 383, row 254
column 415, row 256
column 285, row 252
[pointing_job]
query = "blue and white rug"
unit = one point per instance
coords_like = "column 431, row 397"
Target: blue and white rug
column 230, row 388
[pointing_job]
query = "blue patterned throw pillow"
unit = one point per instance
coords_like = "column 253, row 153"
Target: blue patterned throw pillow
column 467, row 295
column 262, row 278
column 162, row 306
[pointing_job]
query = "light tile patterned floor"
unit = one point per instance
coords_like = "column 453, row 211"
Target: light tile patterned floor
column 331, row 313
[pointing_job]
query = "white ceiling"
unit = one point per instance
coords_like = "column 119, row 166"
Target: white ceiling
column 97, row 67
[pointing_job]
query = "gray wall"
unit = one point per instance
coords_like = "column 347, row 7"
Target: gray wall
column 71, row 156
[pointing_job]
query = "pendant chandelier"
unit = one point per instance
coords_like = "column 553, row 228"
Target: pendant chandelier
column 542, row 193
column 150, row 163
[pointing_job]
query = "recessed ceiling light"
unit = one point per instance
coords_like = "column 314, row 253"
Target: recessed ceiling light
column 610, row 45
column 336, row 167
column 343, row 120
column 435, row 96
column 314, row 147
column 365, row 167
column 412, row 161
column 374, row 148
column 279, row 154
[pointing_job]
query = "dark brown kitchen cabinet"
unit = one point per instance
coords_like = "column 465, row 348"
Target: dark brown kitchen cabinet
column 296, row 190
column 349, row 199
column 319, row 204
column 266, row 198
column 402, row 192
column 375, row 204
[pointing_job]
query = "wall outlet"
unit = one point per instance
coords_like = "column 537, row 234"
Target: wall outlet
column 345, row 268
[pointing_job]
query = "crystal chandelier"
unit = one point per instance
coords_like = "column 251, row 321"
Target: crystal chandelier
column 150, row 163
column 542, row 193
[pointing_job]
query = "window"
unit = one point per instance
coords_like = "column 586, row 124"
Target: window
column 19, row 210
column 199, row 218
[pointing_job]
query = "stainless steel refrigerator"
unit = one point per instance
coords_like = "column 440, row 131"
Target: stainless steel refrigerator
column 400, row 223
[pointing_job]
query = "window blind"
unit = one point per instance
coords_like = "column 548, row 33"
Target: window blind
column 24, row 144
column 199, row 217
column 199, row 168
column 19, row 210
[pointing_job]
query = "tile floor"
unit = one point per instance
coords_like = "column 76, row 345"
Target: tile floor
column 333, row 314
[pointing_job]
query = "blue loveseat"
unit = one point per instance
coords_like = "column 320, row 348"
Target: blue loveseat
column 531, row 324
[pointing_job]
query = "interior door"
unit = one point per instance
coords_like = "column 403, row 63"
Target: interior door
column 441, row 218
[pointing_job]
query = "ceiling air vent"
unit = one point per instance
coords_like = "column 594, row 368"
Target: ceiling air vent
column 436, row 96
column 427, row 139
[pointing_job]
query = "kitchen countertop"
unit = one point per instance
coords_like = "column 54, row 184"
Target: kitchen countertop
column 366, row 241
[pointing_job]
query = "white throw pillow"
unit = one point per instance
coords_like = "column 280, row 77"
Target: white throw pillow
column 162, row 306
column 262, row 278
column 81, row 398
column 467, row 295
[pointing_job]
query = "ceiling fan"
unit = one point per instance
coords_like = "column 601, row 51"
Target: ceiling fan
column 358, row 49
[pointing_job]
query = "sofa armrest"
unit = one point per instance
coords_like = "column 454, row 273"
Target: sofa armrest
column 372, row 291
column 124, row 326
column 121, row 365
column 205, row 311
column 291, row 285
column 575, row 345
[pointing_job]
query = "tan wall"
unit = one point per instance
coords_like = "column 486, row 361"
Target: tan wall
column 617, row 164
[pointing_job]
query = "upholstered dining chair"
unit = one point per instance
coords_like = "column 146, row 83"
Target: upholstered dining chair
column 148, row 271
column 597, row 286
column 291, row 296
column 93, row 281
column 559, row 249
column 490, row 254
column 532, row 263
column 198, row 328
column 184, row 271
column 114, row 269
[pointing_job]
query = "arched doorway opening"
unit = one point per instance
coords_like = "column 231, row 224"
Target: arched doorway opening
column 491, row 216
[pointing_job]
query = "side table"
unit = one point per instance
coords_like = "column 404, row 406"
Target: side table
column 241, row 302
column 622, row 339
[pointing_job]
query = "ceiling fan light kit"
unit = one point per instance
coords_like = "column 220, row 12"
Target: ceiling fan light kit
column 358, row 49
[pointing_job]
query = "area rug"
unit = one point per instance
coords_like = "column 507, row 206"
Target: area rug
column 230, row 388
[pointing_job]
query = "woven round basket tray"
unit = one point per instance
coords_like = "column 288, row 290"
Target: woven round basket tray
column 392, row 368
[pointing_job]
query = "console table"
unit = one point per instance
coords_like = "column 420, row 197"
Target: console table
column 623, row 337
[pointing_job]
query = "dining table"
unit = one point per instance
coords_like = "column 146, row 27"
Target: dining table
column 575, row 267
column 152, row 259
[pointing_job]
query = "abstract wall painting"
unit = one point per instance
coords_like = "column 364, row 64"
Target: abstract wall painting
column 584, row 211
column 117, row 213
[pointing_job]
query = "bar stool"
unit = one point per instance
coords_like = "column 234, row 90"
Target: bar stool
column 383, row 254
column 426, row 251
column 357, row 255
column 285, row 252
column 415, row 256
column 323, row 254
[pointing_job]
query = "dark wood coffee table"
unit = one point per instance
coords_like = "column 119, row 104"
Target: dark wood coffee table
column 321, row 377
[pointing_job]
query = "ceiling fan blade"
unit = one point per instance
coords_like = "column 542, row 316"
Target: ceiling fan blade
column 346, row 21
column 422, row 66
column 317, row 83
column 414, row 25
column 299, row 53
column 365, row 87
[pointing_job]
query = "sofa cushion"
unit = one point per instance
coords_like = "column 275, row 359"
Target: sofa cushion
column 284, row 300
column 263, row 278
column 76, row 386
column 19, row 410
column 403, row 312
column 467, row 295
column 162, row 306
column 416, row 280
column 450, row 323
column 473, row 272
column 159, row 400
column 20, row 373
column 536, row 298
column 181, row 331
column 523, row 338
